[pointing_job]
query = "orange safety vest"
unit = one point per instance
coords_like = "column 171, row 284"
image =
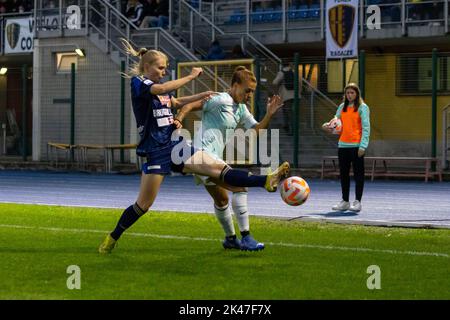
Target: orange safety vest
column 351, row 126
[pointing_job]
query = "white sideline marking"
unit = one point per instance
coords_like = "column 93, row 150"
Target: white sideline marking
column 309, row 218
column 281, row 244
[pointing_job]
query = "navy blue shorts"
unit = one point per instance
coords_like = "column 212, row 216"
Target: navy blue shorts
column 168, row 160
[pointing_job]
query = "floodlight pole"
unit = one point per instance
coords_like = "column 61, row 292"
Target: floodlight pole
column 24, row 112
column 72, row 110
column 433, row 103
column 122, row 109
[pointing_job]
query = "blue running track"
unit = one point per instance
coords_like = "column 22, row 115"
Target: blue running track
column 396, row 203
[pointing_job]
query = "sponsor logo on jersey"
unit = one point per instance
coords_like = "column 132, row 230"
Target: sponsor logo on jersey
column 162, row 112
column 165, row 100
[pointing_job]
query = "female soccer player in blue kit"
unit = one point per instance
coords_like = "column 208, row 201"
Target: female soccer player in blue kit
column 152, row 104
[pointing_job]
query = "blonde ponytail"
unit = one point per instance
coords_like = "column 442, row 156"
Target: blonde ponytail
column 145, row 56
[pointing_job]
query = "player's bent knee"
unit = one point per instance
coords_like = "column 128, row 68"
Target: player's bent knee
column 221, row 202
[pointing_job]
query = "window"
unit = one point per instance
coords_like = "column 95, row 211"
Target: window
column 310, row 72
column 351, row 71
column 64, row 62
column 336, row 71
column 414, row 75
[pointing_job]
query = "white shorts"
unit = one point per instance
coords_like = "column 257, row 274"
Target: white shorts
column 205, row 180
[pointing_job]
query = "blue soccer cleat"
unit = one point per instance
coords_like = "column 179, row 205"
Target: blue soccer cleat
column 250, row 244
column 231, row 243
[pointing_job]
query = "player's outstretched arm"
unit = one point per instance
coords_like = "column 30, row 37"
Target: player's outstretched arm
column 193, row 106
column 169, row 86
column 273, row 104
column 203, row 96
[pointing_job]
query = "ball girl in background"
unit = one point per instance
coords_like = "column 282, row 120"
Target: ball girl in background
column 354, row 116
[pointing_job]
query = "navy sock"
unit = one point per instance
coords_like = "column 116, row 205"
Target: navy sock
column 129, row 216
column 245, row 233
column 241, row 178
column 233, row 237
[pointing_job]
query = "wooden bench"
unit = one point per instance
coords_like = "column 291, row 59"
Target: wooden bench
column 109, row 154
column 52, row 152
column 426, row 162
column 81, row 153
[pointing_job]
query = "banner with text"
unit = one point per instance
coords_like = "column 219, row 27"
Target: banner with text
column 19, row 32
column 342, row 29
column 19, row 35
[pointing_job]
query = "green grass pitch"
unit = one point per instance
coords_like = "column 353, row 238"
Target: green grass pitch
column 169, row 255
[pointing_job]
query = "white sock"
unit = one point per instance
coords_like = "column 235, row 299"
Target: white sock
column 240, row 210
column 225, row 219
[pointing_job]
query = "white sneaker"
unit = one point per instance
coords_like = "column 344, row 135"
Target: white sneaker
column 341, row 206
column 356, row 206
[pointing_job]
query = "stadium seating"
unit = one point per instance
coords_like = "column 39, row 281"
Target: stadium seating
column 276, row 15
column 303, row 12
column 237, row 17
column 194, row 3
column 314, row 11
column 273, row 15
column 293, row 13
column 257, row 16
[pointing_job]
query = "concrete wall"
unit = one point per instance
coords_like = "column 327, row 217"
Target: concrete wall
column 97, row 98
column 401, row 123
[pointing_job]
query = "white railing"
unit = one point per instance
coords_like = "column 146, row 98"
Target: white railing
column 155, row 38
column 262, row 16
column 214, row 31
column 117, row 26
column 320, row 105
column 111, row 25
column 54, row 19
column 199, row 31
column 105, row 18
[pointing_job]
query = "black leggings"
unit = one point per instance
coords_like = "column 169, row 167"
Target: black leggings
column 347, row 156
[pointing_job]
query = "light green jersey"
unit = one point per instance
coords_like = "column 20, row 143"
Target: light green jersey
column 221, row 114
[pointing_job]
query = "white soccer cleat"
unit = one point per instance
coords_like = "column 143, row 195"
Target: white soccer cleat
column 342, row 206
column 356, row 206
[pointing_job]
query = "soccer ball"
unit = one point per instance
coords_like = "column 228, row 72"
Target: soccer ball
column 335, row 125
column 294, row 191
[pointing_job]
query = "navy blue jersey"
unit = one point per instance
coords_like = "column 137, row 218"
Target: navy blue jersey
column 153, row 117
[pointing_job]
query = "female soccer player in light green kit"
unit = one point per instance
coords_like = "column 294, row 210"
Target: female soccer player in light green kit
column 223, row 112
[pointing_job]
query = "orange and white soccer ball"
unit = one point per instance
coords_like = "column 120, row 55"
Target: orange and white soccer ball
column 336, row 126
column 294, row 191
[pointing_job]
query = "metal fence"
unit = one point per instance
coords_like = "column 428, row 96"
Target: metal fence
column 406, row 108
column 283, row 15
